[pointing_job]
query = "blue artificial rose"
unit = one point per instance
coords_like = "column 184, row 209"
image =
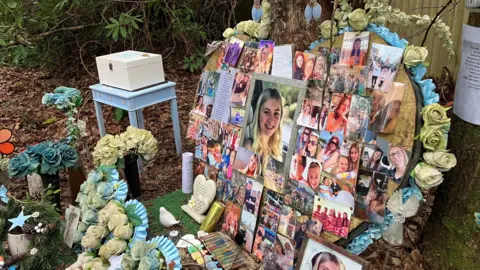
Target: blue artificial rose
column 69, row 155
column 21, row 165
column 89, row 216
column 51, row 161
column 105, row 190
column 36, row 150
column 62, row 102
column 46, row 98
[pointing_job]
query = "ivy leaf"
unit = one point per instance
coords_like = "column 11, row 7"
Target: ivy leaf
column 2, row 42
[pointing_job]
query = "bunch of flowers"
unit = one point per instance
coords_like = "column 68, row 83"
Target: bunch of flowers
column 111, row 149
column 44, row 158
column 254, row 29
column 101, row 186
column 68, row 100
column 143, row 256
column 433, row 135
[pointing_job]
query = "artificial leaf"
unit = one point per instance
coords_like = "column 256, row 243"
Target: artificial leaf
column 49, row 121
column 135, row 219
column 118, row 114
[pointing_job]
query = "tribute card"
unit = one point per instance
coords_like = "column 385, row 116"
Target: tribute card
column 282, row 61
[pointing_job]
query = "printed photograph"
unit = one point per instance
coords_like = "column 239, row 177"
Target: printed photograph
column 268, row 129
column 201, row 150
column 304, row 225
column 297, row 167
column 253, row 196
column 321, row 254
column 299, row 197
column 364, row 180
column 270, row 212
column 237, row 116
column 239, row 187
column 233, row 51
column 329, row 149
column 337, row 190
column 371, row 207
column 310, row 114
column 334, row 57
column 210, row 85
column 287, row 222
column 203, row 105
column 284, row 250
column 373, row 158
column 320, row 69
column 221, row 54
column 230, row 136
column 348, row 162
column 264, row 56
column 240, row 89
column 334, row 216
column 346, row 79
column 212, row 128
column 304, row 136
column 382, row 66
column 247, row 230
column 195, row 126
column 358, row 118
column 226, row 166
column 337, row 118
column 303, row 65
column 314, row 92
column 231, row 218
column 274, row 176
column 355, row 49
column 214, row 156
column 263, row 244
column 248, row 60
column 247, row 162
column 223, row 187
column 386, row 109
column 311, row 174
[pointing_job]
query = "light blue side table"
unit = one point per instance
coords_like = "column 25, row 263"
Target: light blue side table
column 134, row 102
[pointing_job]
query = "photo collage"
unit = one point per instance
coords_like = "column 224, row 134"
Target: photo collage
column 298, row 156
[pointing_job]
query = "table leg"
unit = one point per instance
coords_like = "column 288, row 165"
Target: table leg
column 132, row 116
column 141, row 123
column 99, row 113
column 176, row 125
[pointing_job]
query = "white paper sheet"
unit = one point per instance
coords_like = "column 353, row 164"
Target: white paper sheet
column 221, row 105
column 467, row 91
column 282, row 61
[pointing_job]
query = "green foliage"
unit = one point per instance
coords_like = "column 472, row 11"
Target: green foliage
column 124, row 25
column 194, row 62
column 118, row 114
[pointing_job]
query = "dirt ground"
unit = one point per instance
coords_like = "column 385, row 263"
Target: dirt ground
column 21, row 91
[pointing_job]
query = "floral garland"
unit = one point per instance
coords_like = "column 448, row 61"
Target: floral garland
column 152, row 254
column 251, row 28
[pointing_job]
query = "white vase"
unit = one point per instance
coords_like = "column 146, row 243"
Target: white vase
column 18, row 244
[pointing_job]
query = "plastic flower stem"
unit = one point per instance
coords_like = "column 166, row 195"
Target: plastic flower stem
column 434, row 20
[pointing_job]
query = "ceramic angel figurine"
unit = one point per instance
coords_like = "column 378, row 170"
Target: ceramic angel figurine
column 257, row 11
column 313, row 11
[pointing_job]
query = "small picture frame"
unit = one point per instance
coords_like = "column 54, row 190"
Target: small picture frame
column 314, row 247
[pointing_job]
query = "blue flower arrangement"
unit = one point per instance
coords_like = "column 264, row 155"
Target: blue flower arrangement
column 44, row 158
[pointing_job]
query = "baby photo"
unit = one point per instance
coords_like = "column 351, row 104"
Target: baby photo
column 371, row 207
column 233, row 51
column 329, row 149
column 386, row 109
column 337, row 118
column 239, row 186
column 273, row 176
column 337, row 190
column 346, row 79
column 299, row 197
column 247, row 229
column 348, row 162
column 286, row 226
column 310, row 114
column 195, row 126
column 248, row 59
column 263, row 244
column 203, row 105
column 303, row 65
column 355, row 49
column 334, row 216
column 270, row 212
column 231, row 218
column 358, row 118
column 253, row 196
column 240, row 89
column 320, row 69
column 237, row 116
column 383, row 64
column 247, row 162
column 264, row 56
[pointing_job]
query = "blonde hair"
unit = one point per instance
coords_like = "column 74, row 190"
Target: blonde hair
column 274, row 146
column 325, row 256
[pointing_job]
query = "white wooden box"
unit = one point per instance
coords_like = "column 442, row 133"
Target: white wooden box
column 130, row 70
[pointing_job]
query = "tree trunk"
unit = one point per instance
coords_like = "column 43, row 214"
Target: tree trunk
column 289, row 24
column 452, row 238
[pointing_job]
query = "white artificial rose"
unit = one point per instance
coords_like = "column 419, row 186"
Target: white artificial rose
column 427, row 176
column 440, row 159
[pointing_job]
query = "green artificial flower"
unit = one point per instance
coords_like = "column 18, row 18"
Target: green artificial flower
column 435, row 114
column 440, row 159
column 99, row 264
column 112, row 208
column 414, row 56
column 82, row 226
column 358, row 19
column 97, row 231
column 97, row 201
column 123, row 232
column 89, row 216
column 105, row 190
column 51, row 161
column 229, row 32
column 113, row 247
column 148, row 263
column 89, row 241
column 117, row 220
column 433, row 138
column 427, row 176
column 325, row 28
column 128, row 263
column 251, row 28
column 22, row 164
column 77, row 237
column 139, row 250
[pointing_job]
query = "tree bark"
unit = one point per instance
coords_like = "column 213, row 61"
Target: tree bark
column 289, row 24
column 452, row 238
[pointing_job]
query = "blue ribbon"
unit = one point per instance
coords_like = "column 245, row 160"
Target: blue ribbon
column 3, row 194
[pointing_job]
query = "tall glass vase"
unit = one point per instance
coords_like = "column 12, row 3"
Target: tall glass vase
column 76, row 177
column 132, row 175
column 54, row 180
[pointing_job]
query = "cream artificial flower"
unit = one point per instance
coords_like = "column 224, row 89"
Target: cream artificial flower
column 117, row 220
column 358, row 19
column 426, row 176
column 325, row 28
column 123, row 232
column 414, row 56
column 440, row 159
column 433, row 137
column 229, row 32
column 435, row 114
column 35, row 214
column 97, row 231
column 33, row 251
column 89, row 241
column 114, row 246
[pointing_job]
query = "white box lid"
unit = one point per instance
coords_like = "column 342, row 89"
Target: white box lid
column 129, row 59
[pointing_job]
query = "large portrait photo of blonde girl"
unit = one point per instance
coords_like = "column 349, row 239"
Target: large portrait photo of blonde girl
column 272, row 105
